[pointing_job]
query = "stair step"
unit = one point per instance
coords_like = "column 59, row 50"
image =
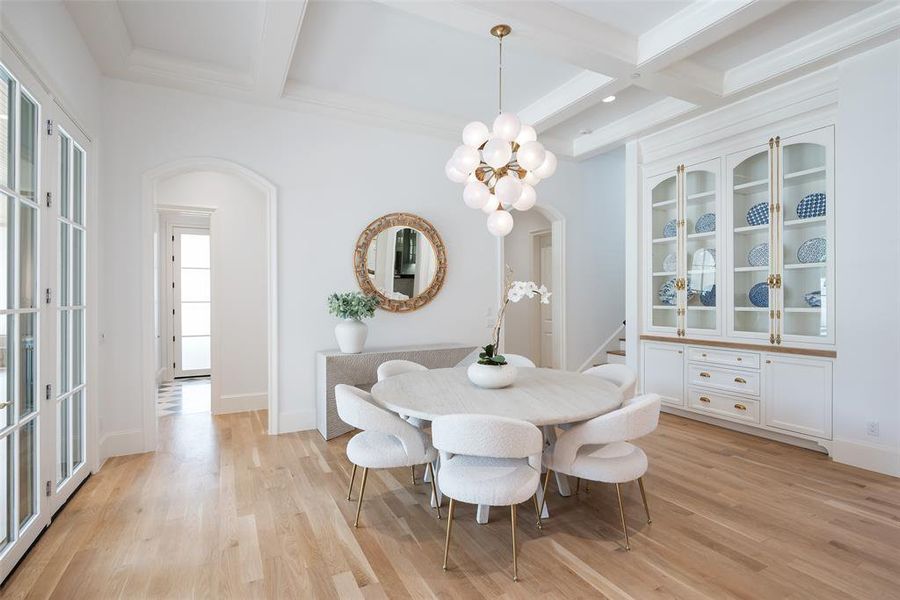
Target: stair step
column 616, row 352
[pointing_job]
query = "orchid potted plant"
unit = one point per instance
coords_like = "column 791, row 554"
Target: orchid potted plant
column 492, row 370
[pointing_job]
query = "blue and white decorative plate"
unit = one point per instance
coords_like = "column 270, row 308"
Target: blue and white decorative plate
column 667, row 293
column 705, row 223
column 812, row 251
column 814, row 299
column 759, row 295
column 670, row 230
column 669, row 262
column 758, row 214
column 811, row 206
column 708, row 297
column 759, row 255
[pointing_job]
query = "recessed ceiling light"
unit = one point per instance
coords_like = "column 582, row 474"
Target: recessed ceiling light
column 585, row 132
column 609, row 99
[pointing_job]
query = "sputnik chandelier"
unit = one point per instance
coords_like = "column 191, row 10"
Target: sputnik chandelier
column 500, row 166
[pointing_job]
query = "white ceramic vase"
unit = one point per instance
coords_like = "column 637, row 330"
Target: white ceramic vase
column 491, row 376
column 351, row 335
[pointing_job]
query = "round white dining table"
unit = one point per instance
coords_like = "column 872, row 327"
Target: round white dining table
column 544, row 397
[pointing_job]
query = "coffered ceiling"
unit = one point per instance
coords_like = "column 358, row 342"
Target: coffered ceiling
column 431, row 65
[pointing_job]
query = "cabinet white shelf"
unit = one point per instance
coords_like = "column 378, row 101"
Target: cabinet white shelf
column 751, row 269
column 708, row 195
column 805, row 222
column 705, row 234
column 669, row 240
column 806, row 174
column 751, row 228
column 751, row 186
column 815, row 265
column 664, row 203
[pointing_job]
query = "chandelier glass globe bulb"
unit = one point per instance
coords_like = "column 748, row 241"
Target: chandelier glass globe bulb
column 454, row 174
column 465, row 159
column 531, row 179
column 527, row 199
column 531, row 155
column 548, row 167
column 475, row 134
column 500, row 223
column 508, row 190
column 507, row 126
column 526, row 134
column 491, row 205
column 497, row 153
column 476, row 194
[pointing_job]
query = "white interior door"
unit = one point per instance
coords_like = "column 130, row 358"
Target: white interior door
column 546, row 312
column 191, row 301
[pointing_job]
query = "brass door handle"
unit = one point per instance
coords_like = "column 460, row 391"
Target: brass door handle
column 705, row 374
column 740, row 380
column 740, row 407
column 704, row 399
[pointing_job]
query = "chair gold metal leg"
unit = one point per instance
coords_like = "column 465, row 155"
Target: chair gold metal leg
column 412, row 472
column 537, row 509
column 437, row 506
column 362, row 490
column 622, row 512
column 577, row 485
column 644, row 498
column 544, row 491
column 449, row 527
column 512, row 518
column 352, row 477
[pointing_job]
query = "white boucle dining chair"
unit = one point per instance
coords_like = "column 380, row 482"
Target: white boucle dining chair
column 385, row 442
column 597, row 450
column 620, row 376
column 488, row 460
column 517, row 360
column 391, row 368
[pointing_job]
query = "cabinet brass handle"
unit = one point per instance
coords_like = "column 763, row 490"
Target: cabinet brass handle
column 704, row 399
column 740, row 380
column 740, row 407
column 704, row 374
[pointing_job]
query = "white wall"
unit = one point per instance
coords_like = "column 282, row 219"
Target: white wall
column 867, row 260
column 239, row 294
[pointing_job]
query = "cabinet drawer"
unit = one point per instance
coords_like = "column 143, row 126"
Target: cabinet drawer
column 729, row 380
column 740, row 409
column 744, row 360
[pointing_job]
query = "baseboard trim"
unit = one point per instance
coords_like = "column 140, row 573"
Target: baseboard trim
column 880, row 458
column 120, row 443
column 232, row 403
column 299, row 420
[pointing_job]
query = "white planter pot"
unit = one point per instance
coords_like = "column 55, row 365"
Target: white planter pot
column 490, row 376
column 351, row 335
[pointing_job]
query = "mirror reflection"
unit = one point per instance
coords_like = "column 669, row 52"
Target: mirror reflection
column 401, row 263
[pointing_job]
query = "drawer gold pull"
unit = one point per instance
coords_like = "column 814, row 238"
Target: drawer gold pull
column 740, row 407
column 705, row 374
column 740, row 380
column 704, row 399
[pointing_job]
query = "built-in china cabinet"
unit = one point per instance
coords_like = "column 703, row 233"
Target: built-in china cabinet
column 737, row 278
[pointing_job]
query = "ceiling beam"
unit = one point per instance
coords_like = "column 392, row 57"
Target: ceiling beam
column 582, row 91
column 281, row 29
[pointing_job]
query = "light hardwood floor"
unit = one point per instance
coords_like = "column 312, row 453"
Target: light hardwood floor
column 225, row 511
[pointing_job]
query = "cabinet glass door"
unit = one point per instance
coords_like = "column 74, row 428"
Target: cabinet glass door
column 750, row 242
column 664, row 213
column 806, row 203
column 700, row 247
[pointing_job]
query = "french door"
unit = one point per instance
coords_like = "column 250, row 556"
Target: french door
column 43, row 414
column 191, row 301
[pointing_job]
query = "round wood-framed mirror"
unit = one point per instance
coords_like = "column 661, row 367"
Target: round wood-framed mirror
column 401, row 259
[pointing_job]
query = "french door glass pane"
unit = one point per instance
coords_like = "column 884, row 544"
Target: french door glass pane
column 195, row 318
column 27, row 471
column 63, row 351
column 7, row 376
column 77, row 347
column 77, row 429
column 6, row 485
column 27, row 255
column 7, row 129
column 77, row 267
column 78, row 185
column 64, row 148
column 195, row 285
column 7, row 263
column 62, row 439
column 63, row 264
column 195, row 250
column 195, row 353
column 27, row 148
column 27, row 363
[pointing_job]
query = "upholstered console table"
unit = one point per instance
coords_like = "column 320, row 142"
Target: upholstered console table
column 333, row 367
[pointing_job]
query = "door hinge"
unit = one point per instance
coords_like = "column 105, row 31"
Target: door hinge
column 173, row 311
column 47, row 488
column 173, row 258
column 173, row 238
column 49, row 199
column 48, row 296
column 173, row 338
column 49, row 127
column 48, row 391
column 173, row 365
column 173, row 285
